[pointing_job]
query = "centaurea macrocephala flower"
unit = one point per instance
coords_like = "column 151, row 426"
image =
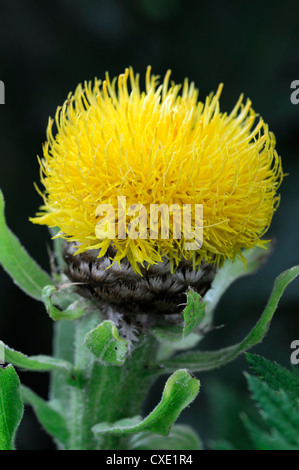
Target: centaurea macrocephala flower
column 161, row 146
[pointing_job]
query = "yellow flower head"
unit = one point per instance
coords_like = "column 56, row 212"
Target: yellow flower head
column 161, row 146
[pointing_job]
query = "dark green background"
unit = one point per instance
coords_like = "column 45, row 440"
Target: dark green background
column 46, row 48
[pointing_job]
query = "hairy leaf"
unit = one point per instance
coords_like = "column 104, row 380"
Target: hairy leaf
column 277, row 410
column 276, row 376
column 11, row 407
column 75, row 310
column 53, row 422
column 199, row 361
column 179, row 391
column 35, row 363
column 106, row 344
column 17, row 262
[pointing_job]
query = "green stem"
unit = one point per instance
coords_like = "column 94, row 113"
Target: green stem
column 99, row 393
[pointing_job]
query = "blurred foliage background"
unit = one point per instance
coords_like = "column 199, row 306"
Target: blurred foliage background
column 47, row 48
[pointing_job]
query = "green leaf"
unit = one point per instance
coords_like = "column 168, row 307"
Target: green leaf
column 199, row 361
column 194, row 312
column 277, row 410
column 64, row 295
column 170, row 334
column 180, row 438
column 18, row 264
column 179, row 391
column 35, row 363
column 276, row 376
column 11, row 407
column 53, row 422
column 230, row 272
column 105, row 343
column 266, row 441
column 193, row 315
column 75, row 310
column 276, row 395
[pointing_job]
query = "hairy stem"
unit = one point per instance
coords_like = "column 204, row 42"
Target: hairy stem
column 99, row 393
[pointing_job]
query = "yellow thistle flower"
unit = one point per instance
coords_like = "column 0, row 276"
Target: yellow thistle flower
column 159, row 147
